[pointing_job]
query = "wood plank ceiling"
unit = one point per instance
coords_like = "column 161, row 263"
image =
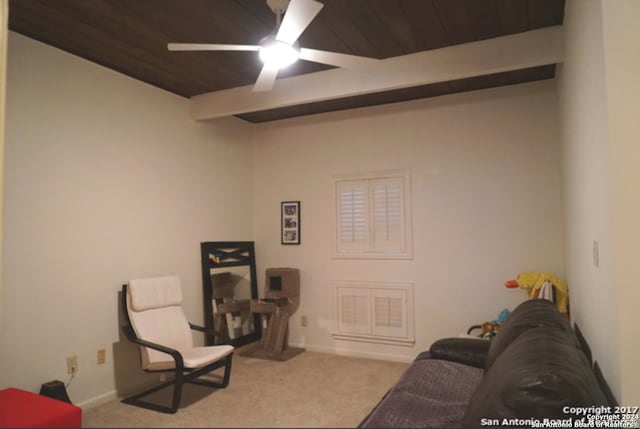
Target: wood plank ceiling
column 131, row 36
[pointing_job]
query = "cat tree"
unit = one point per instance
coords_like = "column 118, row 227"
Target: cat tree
column 281, row 300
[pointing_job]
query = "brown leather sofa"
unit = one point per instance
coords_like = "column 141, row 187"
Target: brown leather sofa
column 536, row 368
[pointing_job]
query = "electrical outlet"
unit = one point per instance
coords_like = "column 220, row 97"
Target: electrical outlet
column 72, row 364
column 303, row 320
column 102, row 356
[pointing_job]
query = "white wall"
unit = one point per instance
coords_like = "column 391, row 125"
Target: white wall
column 486, row 205
column 106, row 179
column 4, row 18
column 598, row 95
column 582, row 86
column 621, row 36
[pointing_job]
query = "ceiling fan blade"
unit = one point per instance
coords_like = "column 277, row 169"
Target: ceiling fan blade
column 210, row 47
column 266, row 79
column 298, row 16
column 336, row 59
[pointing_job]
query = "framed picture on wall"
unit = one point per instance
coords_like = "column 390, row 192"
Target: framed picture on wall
column 290, row 222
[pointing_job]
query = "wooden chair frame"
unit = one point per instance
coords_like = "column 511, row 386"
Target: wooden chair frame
column 182, row 375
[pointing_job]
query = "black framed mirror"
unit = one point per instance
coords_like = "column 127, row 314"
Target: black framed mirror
column 229, row 284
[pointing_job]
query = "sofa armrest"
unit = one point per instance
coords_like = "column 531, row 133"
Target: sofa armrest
column 468, row 351
column 424, row 355
column 539, row 375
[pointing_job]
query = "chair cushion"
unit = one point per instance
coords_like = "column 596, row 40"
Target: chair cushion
column 155, row 312
column 196, row 357
column 166, row 326
column 154, row 292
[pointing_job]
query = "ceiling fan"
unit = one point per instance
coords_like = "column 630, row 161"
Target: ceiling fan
column 281, row 48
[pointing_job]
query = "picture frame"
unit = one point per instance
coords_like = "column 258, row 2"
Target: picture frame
column 290, row 222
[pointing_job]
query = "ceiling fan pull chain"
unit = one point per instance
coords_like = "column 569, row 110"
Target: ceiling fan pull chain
column 278, row 7
column 278, row 21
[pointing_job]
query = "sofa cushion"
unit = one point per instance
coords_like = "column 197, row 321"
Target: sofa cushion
column 536, row 376
column 530, row 314
column 430, row 393
column 469, row 351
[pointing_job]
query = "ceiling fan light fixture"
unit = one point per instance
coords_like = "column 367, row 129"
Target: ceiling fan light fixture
column 281, row 48
column 276, row 53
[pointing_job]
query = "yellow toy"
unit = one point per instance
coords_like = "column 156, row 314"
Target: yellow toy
column 532, row 282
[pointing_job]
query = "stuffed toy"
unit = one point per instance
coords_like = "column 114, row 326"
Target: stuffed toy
column 533, row 283
column 489, row 330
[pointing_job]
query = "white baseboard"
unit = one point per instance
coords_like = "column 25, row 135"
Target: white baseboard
column 98, row 400
column 358, row 354
column 113, row 395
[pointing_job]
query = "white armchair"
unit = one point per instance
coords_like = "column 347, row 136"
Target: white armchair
column 156, row 322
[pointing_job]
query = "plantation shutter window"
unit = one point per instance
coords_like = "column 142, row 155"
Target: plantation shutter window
column 387, row 197
column 353, row 215
column 374, row 312
column 389, row 311
column 353, row 310
column 372, row 216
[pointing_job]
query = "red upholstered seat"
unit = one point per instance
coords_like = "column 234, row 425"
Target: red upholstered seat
column 22, row 409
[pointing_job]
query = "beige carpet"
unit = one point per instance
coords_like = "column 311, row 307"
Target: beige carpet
column 310, row 390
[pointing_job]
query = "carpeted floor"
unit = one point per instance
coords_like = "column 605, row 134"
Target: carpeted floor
column 310, row 390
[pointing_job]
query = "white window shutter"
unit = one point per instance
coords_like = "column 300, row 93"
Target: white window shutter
column 353, row 310
column 373, row 214
column 374, row 312
column 390, row 313
column 353, row 219
column 388, row 218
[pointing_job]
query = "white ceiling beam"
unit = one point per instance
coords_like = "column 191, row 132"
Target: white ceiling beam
column 501, row 54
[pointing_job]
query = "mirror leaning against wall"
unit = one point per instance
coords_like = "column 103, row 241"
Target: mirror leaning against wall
column 229, row 284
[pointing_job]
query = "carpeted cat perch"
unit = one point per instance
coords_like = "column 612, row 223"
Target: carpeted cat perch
column 282, row 298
